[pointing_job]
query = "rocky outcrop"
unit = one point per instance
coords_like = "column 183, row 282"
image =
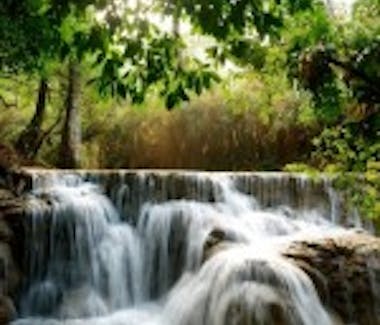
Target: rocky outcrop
column 345, row 270
column 11, row 252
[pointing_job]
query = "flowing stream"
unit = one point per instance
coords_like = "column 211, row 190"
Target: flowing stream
column 91, row 261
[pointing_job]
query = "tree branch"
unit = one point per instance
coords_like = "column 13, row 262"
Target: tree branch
column 46, row 133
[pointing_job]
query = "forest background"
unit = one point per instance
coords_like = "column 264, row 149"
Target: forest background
column 190, row 84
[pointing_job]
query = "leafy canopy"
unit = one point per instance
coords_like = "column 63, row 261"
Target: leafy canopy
column 129, row 52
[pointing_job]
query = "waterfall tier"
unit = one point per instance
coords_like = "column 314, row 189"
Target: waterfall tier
column 130, row 189
column 141, row 248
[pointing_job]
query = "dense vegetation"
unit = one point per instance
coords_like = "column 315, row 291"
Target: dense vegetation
column 93, row 83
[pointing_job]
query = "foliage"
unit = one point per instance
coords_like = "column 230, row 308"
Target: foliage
column 353, row 159
column 303, row 168
column 128, row 60
column 338, row 61
column 341, row 60
column 362, row 191
column 130, row 53
column 246, row 123
column 346, row 148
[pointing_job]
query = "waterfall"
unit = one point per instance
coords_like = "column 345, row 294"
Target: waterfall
column 135, row 249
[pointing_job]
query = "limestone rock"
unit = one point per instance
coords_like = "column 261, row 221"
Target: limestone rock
column 346, row 272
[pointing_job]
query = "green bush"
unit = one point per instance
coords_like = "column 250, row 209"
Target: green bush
column 247, row 123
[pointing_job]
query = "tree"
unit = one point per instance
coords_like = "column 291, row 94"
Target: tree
column 30, row 138
column 343, row 61
column 131, row 55
column 30, row 40
column 341, row 68
column 69, row 156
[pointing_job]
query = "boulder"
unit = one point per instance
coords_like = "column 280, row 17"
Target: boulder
column 346, row 272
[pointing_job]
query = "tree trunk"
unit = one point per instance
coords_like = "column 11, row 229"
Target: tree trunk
column 27, row 144
column 69, row 154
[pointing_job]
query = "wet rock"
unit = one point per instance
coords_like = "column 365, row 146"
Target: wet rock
column 7, row 310
column 9, row 274
column 216, row 241
column 346, row 272
column 12, row 224
column 11, row 252
column 214, row 238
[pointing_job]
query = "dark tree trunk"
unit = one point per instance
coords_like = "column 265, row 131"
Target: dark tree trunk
column 28, row 142
column 69, row 154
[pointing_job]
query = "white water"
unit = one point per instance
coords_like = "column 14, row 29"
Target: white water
column 89, row 267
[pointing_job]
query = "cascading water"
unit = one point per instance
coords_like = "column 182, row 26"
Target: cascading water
column 90, row 262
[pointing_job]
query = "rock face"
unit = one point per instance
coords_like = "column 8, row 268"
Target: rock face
column 346, row 272
column 11, row 252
